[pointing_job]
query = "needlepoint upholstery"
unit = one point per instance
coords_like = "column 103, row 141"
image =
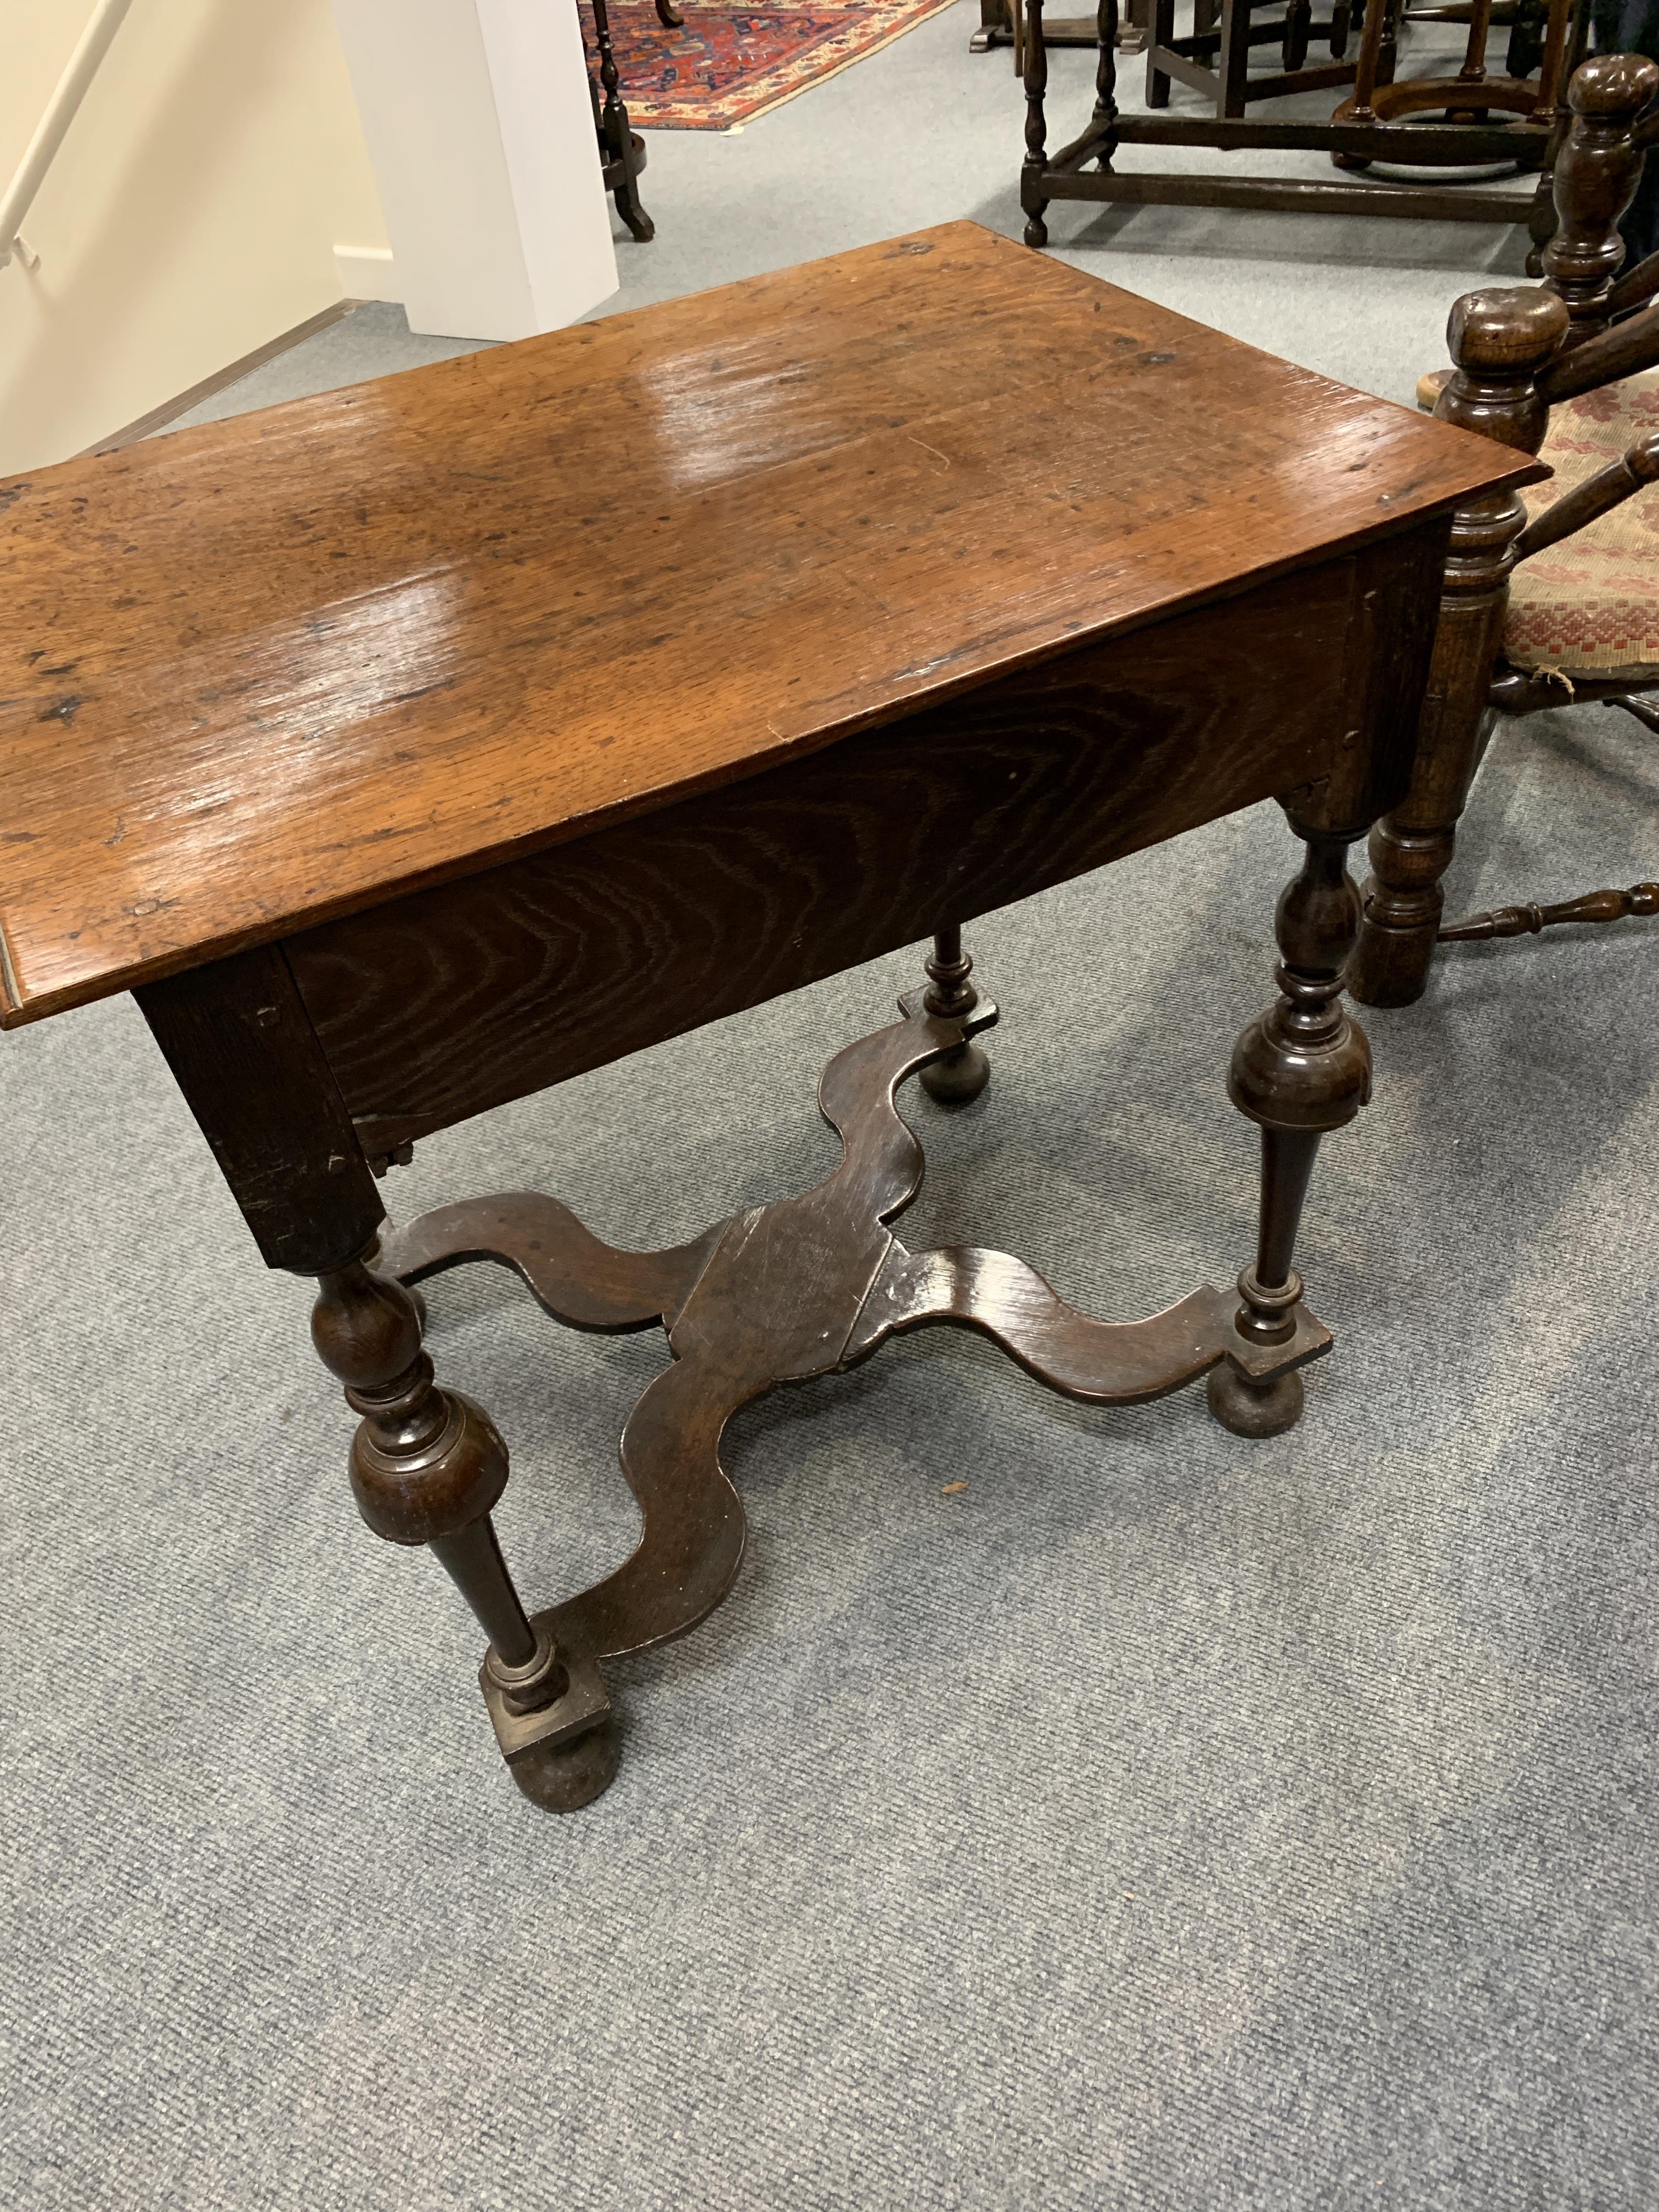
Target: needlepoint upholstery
column 1589, row 606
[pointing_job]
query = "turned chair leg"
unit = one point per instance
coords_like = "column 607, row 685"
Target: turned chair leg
column 427, row 1466
column 1299, row 1070
column 1499, row 340
column 963, row 1073
column 1031, row 199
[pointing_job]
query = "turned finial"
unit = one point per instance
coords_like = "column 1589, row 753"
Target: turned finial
column 1501, row 340
column 1595, row 180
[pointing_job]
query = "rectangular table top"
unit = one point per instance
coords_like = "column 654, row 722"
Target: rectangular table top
column 286, row 667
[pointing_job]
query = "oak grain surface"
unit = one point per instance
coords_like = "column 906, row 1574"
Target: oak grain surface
column 287, row 666
column 459, row 997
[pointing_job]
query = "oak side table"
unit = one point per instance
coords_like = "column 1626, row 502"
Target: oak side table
column 410, row 748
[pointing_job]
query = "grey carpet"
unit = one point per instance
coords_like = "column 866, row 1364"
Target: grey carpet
column 1163, row 1821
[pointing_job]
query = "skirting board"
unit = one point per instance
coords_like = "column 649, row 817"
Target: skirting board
column 220, row 381
column 368, row 272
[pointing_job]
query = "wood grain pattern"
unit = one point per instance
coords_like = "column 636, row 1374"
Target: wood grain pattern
column 239, row 1041
column 450, row 1001
column 283, row 668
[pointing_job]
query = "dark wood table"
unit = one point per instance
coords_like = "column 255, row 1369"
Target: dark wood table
column 410, row 748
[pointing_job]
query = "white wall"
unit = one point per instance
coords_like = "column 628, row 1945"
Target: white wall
column 191, row 212
column 480, row 131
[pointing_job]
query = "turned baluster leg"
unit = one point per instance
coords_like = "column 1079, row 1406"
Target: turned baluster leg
column 1031, row 199
column 963, row 1073
column 427, row 1465
column 1104, row 119
column 1300, row 1069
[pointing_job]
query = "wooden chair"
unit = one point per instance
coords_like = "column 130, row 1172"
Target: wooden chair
column 1569, row 371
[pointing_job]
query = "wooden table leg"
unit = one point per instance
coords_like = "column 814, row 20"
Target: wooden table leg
column 963, row 1073
column 427, row 1465
column 1300, row 1069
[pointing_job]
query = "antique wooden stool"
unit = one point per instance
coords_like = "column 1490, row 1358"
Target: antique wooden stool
column 412, row 747
column 1370, row 126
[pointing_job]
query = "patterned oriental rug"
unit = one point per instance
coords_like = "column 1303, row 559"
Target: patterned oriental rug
column 727, row 65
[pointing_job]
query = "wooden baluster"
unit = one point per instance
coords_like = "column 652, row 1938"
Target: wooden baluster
column 1595, row 182
column 427, row 1465
column 1499, row 340
column 963, row 1073
column 1300, row 1069
column 1036, row 130
column 1104, row 119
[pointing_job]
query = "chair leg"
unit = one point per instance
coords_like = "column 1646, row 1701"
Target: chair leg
column 1235, row 60
column 1031, row 198
column 1158, row 84
column 1412, row 848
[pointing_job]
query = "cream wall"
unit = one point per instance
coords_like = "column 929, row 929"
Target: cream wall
column 191, row 212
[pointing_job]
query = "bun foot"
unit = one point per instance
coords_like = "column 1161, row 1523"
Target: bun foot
column 1037, row 232
column 1253, row 1409
column 960, row 1076
column 562, row 1777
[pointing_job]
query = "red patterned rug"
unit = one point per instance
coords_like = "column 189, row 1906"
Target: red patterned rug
column 727, row 65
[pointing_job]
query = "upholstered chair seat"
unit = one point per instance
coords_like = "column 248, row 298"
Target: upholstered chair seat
column 1589, row 606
